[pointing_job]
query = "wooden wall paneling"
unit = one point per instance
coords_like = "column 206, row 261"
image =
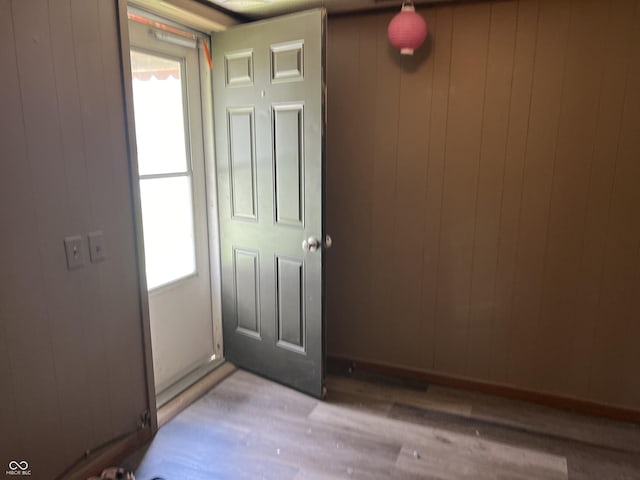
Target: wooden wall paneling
column 589, row 274
column 10, row 441
column 527, row 268
column 568, row 202
column 495, row 126
column 335, row 105
column 618, row 328
column 342, row 53
column 464, row 127
column 414, row 109
column 64, row 173
column 383, row 193
column 16, row 208
column 358, row 170
column 516, row 141
column 632, row 381
column 630, row 391
column 90, row 75
column 546, row 95
column 78, row 206
column 627, row 320
column 41, row 358
column 70, row 334
column 441, row 34
column 125, row 329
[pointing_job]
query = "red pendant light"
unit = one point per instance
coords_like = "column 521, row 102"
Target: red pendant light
column 407, row 30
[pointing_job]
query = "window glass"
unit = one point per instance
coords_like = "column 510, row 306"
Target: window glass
column 159, row 114
column 167, row 220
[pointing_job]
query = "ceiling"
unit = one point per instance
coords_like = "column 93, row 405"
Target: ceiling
column 269, row 8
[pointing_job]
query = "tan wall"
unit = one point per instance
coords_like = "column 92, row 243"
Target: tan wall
column 71, row 359
column 484, row 196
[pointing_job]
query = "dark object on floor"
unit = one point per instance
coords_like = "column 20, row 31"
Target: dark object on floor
column 115, row 473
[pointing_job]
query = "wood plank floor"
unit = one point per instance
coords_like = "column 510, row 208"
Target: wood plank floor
column 372, row 428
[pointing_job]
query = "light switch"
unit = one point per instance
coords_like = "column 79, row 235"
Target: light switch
column 96, row 247
column 73, row 247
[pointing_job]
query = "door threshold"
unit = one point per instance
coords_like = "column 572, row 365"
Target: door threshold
column 183, row 393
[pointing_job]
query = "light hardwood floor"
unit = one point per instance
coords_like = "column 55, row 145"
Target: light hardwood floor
column 373, row 428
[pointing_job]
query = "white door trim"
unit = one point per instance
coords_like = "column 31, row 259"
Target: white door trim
column 211, row 196
column 125, row 63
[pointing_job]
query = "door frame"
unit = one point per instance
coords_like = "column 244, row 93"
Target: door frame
column 210, row 185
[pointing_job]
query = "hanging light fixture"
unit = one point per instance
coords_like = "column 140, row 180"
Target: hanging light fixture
column 407, row 30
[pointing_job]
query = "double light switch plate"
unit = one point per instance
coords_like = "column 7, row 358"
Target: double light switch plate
column 73, row 247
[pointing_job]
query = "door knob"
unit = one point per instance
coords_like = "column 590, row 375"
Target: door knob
column 328, row 241
column 311, row 244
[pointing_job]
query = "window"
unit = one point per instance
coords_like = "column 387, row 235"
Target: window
column 164, row 167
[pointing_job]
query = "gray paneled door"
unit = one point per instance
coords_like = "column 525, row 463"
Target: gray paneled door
column 269, row 122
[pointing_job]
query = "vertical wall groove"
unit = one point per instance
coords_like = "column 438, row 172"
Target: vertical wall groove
column 513, row 277
column 445, row 122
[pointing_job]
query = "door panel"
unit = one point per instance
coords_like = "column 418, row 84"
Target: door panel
column 290, row 308
column 269, row 124
column 247, row 292
column 242, row 163
column 288, row 164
